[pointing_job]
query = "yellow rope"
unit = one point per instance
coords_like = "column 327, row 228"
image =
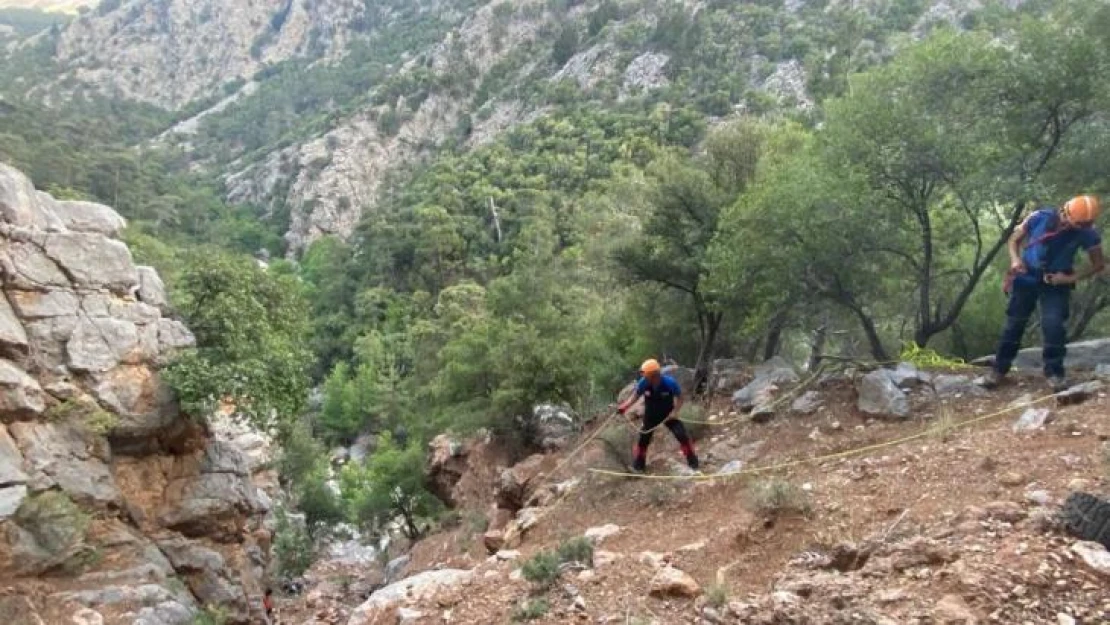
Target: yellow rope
column 825, row 458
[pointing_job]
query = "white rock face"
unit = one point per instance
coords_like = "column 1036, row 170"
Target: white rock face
column 170, row 53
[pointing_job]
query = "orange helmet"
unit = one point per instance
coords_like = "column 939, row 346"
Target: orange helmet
column 650, row 366
column 1083, row 209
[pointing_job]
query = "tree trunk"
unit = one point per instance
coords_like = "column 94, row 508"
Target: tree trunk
column 705, row 351
column 817, row 345
column 872, row 334
column 774, row 335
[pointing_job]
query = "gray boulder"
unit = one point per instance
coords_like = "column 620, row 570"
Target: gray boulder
column 93, row 261
column 1033, row 419
column 807, row 404
column 138, row 396
column 774, row 372
column 1082, row 356
column 13, row 338
column 1079, row 393
column 18, row 610
column 416, row 588
column 152, row 290
column 35, row 305
column 89, row 217
column 396, row 567
column 99, row 344
column 173, row 334
column 26, row 266
column 554, row 425
column 683, row 375
column 21, row 397
column 879, row 395
column 947, row 385
column 165, row 613
column 20, row 204
column 210, row 502
column 61, row 455
column 12, row 478
column 905, row 375
column 206, row 573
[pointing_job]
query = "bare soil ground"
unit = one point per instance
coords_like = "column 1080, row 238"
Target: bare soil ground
column 964, row 510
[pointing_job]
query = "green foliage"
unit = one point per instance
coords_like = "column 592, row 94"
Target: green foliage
column 251, row 327
column 293, row 547
column 212, row 615
column 57, row 524
column 531, row 610
column 542, row 569
column 566, row 44
column 775, row 496
column 390, row 485
column 717, row 595
column 578, row 550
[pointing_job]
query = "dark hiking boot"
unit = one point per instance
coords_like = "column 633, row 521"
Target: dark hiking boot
column 1058, row 383
column 693, row 462
column 993, row 379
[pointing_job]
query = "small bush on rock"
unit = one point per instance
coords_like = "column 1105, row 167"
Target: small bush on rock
column 775, row 496
column 542, row 569
column 531, row 610
column 578, row 549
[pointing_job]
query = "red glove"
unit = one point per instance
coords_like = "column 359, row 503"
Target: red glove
column 622, row 409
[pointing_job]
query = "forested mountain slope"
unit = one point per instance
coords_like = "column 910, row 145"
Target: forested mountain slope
column 318, row 103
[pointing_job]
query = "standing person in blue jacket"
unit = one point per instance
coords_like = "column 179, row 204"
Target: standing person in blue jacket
column 662, row 403
column 1044, row 273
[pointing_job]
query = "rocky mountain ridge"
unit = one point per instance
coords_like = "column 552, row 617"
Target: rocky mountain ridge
column 454, row 75
column 113, row 505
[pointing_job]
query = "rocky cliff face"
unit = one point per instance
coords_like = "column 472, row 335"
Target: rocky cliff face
column 173, row 52
column 110, row 500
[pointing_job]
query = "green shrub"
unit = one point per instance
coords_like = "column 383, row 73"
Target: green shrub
column 294, row 549
column 531, row 610
column 578, row 549
column 85, row 413
column 211, row 615
column 716, row 595
column 775, row 496
column 542, row 569
column 56, row 523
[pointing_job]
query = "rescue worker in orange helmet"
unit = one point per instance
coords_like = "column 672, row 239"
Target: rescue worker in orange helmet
column 1043, row 273
column 662, row 403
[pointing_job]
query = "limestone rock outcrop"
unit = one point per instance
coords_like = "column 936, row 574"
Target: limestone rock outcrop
column 112, row 504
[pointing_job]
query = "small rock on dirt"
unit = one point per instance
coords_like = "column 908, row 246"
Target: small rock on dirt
column 605, row 558
column 1006, row 511
column 1039, row 497
column 652, row 559
column 952, row 610
column 807, row 404
column 1011, row 479
column 1094, row 556
column 674, row 582
column 734, row 466
column 598, row 534
column 1033, row 419
column 956, row 385
column 1079, row 393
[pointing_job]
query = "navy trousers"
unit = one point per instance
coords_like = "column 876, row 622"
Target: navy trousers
column 1054, row 301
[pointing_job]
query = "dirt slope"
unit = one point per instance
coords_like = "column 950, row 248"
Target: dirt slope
column 953, row 527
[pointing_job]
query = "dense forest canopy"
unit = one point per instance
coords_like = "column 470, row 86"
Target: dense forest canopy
column 702, row 219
